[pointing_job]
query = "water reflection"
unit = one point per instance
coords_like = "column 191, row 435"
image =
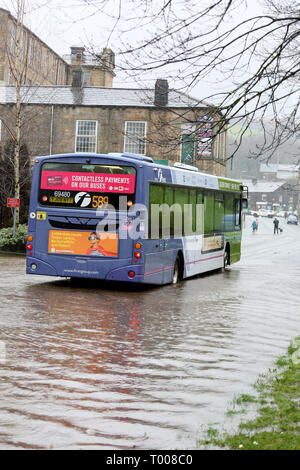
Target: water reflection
column 118, row 366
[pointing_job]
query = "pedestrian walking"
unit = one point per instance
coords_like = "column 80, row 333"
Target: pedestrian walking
column 254, row 226
column 276, row 225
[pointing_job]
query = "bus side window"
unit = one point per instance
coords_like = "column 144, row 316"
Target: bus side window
column 181, row 198
column 190, row 214
column 200, row 213
column 219, row 213
column 169, row 200
column 229, row 213
column 156, row 197
column 208, row 212
column 237, row 207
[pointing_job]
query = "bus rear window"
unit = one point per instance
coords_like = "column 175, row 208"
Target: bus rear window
column 77, row 185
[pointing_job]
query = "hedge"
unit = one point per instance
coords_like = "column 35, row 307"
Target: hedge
column 11, row 243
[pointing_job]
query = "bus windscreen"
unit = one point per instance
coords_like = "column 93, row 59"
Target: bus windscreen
column 83, row 186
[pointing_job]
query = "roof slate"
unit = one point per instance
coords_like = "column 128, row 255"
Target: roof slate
column 95, row 96
column 262, row 186
column 274, row 168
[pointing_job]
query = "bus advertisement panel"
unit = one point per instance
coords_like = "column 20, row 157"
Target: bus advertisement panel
column 85, row 186
column 73, row 242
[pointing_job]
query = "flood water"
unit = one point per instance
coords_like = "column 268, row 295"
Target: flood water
column 105, row 366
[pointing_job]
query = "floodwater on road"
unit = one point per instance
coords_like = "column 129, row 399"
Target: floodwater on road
column 108, row 366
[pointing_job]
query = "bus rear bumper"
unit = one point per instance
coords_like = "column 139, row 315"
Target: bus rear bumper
column 37, row 266
column 126, row 273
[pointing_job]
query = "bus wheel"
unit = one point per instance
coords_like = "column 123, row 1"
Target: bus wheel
column 226, row 259
column 176, row 272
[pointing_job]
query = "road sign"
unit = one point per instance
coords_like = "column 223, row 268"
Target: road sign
column 13, row 202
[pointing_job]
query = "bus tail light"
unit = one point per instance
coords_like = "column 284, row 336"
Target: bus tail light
column 30, row 238
column 138, row 246
column 131, row 274
column 137, row 254
column 29, row 247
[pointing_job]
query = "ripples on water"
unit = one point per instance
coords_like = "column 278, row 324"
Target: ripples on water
column 110, row 367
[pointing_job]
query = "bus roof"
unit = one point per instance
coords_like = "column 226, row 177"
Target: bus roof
column 191, row 173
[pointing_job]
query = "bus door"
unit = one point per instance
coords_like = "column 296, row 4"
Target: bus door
column 157, row 256
column 197, row 203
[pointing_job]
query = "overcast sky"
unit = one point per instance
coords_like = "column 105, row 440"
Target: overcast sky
column 75, row 22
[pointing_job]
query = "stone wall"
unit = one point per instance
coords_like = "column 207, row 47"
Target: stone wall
column 53, row 69
column 52, row 129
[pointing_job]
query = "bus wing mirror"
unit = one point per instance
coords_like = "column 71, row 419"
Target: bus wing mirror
column 244, row 203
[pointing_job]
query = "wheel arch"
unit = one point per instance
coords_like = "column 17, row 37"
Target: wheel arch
column 179, row 254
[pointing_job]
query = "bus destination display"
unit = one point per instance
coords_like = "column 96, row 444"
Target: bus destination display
column 84, row 189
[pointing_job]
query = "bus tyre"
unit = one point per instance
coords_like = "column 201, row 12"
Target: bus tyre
column 225, row 259
column 176, row 271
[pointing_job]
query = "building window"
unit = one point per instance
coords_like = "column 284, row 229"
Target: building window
column 86, row 79
column 30, row 54
column 66, row 75
column 46, row 63
column 12, row 38
column 217, row 147
column 53, row 69
column 58, row 78
column 10, row 77
column 22, row 45
column 86, row 136
column 135, row 137
column 38, row 58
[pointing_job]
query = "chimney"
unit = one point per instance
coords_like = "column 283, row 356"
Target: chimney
column 77, row 55
column 161, row 93
column 108, row 58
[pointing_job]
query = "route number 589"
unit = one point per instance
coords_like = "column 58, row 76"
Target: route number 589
column 99, row 201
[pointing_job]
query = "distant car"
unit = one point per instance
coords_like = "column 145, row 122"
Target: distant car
column 292, row 219
column 280, row 214
column 262, row 213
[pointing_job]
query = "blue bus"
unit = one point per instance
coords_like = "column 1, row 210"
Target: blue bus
column 91, row 216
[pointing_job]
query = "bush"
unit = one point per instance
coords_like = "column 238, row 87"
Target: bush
column 16, row 243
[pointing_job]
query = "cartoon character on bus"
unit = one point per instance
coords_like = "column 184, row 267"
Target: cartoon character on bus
column 95, row 248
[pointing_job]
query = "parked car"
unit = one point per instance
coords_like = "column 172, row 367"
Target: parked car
column 262, row 213
column 292, row 219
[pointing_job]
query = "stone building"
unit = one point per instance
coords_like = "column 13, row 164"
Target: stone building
column 38, row 64
column 272, row 195
column 278, row 171
column 64, row 119
column 69, row 105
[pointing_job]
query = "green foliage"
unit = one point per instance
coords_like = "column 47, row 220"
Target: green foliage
column 7, row 181
column 11, row 243
column 276, row 425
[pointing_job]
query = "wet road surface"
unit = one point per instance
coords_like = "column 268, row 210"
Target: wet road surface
column 104, row 366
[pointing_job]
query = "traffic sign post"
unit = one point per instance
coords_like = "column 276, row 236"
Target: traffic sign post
column 13, row 202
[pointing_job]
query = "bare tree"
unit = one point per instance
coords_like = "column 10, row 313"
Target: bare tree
column 17, row 70
column 252, row 61
column 14, row 159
